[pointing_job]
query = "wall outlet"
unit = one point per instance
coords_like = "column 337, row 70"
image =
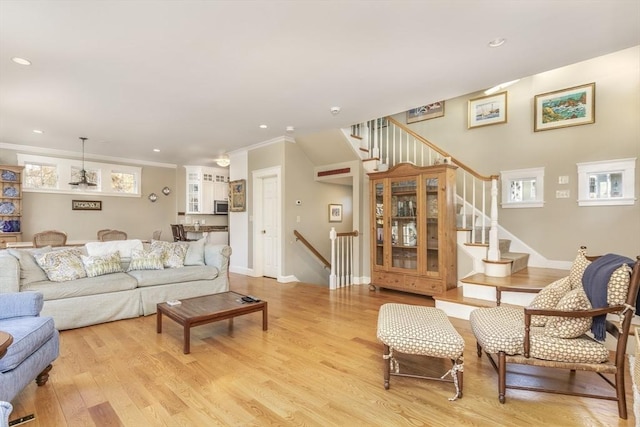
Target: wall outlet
column 562, row 194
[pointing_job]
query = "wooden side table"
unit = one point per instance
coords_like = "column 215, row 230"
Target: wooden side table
column 5, row 341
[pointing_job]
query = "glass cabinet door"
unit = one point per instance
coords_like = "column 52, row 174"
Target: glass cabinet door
column 378, row 218
column 404, row 227
column 433, row 255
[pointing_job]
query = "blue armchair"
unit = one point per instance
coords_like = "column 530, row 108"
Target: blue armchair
column 35, row 345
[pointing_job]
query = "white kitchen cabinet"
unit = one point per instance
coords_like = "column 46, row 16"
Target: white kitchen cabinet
column 204, row 185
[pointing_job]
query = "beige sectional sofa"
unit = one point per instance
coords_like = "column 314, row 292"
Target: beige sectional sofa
column 118, row 295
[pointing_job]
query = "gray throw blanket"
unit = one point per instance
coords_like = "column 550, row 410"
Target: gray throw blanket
column 595, row 280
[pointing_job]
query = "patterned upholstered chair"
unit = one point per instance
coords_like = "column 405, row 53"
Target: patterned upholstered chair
column 565, row 326
column 49, row 238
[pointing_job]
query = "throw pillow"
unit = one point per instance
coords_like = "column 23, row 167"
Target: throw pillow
column 171, row 254
column 570, row 327
column 101, row 265
column 63, row 265
column 618, row 286
column 195, row 253
column 548, row 299
column 145, row 260
column 577, row 269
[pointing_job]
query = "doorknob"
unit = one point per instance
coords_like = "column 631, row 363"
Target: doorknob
column 264, row 231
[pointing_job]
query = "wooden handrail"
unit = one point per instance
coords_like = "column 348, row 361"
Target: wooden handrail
column 440, row 151
column 349, row 233
column 313, row 250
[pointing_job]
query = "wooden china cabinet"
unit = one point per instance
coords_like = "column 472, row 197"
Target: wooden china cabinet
column 413, row 228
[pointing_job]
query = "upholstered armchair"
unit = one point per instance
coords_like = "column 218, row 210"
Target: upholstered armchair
column 566, row 325
column 34, row 347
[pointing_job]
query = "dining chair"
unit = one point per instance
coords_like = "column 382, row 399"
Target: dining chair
column 113, row 235
column 49, row 238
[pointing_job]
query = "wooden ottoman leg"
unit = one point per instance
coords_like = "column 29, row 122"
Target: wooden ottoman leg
column 386, row 355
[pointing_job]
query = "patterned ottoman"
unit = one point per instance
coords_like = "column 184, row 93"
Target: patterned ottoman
column 425, row 331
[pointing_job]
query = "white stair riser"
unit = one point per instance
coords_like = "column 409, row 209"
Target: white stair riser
column 452, row 309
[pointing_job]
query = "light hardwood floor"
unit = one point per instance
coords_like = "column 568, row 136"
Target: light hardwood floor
column 319, row 364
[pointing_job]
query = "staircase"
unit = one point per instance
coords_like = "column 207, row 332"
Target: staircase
column 383, row 143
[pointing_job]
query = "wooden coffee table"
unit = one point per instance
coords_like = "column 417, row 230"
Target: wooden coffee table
column 206, row 309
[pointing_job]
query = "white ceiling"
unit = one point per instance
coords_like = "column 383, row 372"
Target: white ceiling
column 196, row 78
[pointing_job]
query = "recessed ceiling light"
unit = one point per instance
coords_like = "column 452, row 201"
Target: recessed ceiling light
column 290, row 128
column 38, row 131
column 263, row 126
column 334, row 110
column 21, row 61
column 156, row 150
column 497, row 42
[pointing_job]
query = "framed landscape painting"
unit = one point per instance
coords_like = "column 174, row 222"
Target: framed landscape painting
column 567, row 107
column 487, row 110
column 426, row 112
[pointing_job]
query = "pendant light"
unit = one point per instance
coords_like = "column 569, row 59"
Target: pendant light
column 83, row 183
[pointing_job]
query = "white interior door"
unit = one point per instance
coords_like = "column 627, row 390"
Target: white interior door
column 270, row 232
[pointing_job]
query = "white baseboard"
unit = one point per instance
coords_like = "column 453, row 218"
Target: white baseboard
column 287, row 279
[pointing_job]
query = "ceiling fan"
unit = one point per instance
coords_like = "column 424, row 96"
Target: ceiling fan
column 83, row 183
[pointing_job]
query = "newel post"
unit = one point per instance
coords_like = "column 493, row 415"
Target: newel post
column 332, row 278
column 493, row 253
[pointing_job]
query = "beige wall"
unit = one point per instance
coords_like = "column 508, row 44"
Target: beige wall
column 135, row 215
column 557, row 229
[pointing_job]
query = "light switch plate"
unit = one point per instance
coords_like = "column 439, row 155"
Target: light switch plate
column 563, row 179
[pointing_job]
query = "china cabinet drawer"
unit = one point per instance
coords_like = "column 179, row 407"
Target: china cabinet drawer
column 7, row 239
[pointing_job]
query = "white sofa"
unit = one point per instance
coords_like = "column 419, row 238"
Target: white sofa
column 121, row 295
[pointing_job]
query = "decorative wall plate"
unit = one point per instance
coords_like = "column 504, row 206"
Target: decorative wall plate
column 7, row 208
column 8, row 175
column 10, row 192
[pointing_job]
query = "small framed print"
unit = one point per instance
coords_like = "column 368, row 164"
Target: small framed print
column 426, row 112
column 335, row 213
column 86, row 205
column 567, row 107
column 488, row 110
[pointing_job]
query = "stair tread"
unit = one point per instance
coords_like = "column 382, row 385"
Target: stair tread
column 528, row 278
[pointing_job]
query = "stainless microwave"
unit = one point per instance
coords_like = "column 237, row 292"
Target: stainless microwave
column 220, row 207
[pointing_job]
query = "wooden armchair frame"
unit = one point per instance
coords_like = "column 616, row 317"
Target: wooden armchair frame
column 615, row 367
column 112, row 235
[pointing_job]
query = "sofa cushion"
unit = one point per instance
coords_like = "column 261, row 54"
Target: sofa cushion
column 124, row 247
column 145, row 260
column 29, row 334
column 30, row 271
column 87, row 286
column 174, row 275
column 62, row 265
column 195, row 253
column 101, row 265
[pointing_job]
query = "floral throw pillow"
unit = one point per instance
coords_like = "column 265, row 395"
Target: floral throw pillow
column 172, row 254
column 570, row 327
column 145, row 260
column 101, row 265
column 548, row 298
column 62, row 265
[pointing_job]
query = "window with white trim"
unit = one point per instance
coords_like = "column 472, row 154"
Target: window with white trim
column 607, row 182
column 53, row 175
column 522, row 188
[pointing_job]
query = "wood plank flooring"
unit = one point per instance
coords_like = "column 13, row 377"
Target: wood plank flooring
column 319, row 364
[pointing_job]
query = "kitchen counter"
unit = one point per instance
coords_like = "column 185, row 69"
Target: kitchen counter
column 205, row 228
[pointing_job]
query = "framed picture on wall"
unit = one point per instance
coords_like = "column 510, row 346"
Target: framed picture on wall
column 487, row 110
column 426, row 112
column 574, row 106
column 335, row 213
column 238, row 195
column 86, row 205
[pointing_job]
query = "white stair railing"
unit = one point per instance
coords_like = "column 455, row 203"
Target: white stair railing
column 391, row 143
column 341, row 258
